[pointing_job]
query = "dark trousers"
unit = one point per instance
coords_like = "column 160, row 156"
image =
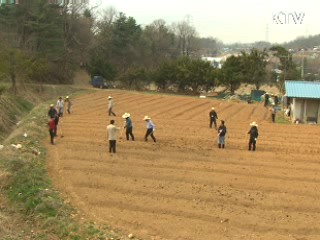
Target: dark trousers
column 129, row 132
column 213, row 121
column 52, row 135
column 111, row 112
column 56, row 121
column 60, row 113
column 273, row 115
column 149, row 132
column 112, row 146
column 252, row 143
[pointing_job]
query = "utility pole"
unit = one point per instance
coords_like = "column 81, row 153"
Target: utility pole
column 281, row 83
column 302, row 68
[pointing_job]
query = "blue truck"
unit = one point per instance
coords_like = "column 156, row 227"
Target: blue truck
column 99, row 82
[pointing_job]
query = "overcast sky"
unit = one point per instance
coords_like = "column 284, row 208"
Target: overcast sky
column 230, row 20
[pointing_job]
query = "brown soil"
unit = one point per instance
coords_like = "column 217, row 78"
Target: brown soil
column 184, row 187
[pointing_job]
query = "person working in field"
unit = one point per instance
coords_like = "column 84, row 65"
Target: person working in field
column 222, row 131
column 128, row 126
column 253, row 136
column 273, row 113
column 53, row 113
column 69, row 104
column 52, row 129
column 112, row 133
column 110, row 106
column 266, row 99
column 213, row 118
column 150, row 129
column 60, row 106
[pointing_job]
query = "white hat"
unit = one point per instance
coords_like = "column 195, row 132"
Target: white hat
column 51, row 105
column 109, row 97
column 146, row 118
column 212, row 108
column 254, row 124
column 67, row 96
column 126, row 115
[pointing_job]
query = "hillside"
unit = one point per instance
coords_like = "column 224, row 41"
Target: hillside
column 14, row 107
column 303, row 42
column 30, row 208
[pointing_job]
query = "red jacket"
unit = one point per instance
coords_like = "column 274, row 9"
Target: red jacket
column 51, row 124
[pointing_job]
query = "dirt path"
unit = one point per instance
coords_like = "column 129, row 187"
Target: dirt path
column 184, row 187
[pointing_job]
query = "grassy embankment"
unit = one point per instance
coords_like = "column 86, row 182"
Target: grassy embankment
column 30, row 208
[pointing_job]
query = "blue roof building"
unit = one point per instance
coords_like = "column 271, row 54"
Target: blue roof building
column 304, row 100
column 9, row 1
column 302, row 89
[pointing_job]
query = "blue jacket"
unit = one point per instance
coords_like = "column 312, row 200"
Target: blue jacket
column 128, row 123
column 150, row 125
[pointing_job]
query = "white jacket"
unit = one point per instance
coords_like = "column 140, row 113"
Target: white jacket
column 112, row 132
column 60, row 104
column 110, row 104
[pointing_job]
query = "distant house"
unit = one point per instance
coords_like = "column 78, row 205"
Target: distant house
column 303, row 97
column 214, row 61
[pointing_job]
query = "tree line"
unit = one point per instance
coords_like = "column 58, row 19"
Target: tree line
column 46, row 43
column 42, row 42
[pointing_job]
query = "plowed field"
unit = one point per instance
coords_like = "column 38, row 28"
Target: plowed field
column 183, row 186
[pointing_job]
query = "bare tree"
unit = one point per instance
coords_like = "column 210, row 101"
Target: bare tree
column 186, row 34
column 109, row 15
column 161, row 41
